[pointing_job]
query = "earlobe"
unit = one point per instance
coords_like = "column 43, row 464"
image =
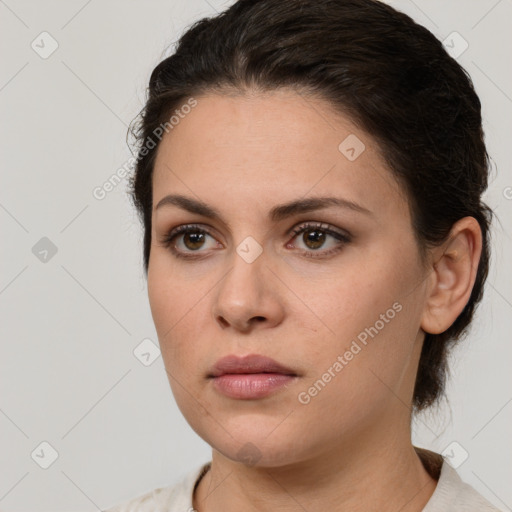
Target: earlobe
column 453, row 275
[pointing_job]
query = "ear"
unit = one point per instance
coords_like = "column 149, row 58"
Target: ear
column 454, row 269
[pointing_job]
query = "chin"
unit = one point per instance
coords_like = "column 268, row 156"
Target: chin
column 252, row 442
column 258, row 455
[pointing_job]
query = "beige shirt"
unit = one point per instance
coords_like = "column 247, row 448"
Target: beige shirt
column 451, row 493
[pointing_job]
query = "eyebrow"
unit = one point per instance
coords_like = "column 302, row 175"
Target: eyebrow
column 276, row 214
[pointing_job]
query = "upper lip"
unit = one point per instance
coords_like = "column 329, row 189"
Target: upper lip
column 253, row 363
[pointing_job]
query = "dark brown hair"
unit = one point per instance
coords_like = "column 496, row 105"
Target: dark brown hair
column 390, row 75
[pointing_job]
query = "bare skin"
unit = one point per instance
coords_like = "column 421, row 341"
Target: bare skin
column 299, row 302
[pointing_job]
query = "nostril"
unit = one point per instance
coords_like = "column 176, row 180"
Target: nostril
column 223, row 322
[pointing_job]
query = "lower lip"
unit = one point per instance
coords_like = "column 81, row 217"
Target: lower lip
column 251, row 385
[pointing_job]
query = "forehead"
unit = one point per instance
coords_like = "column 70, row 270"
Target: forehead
column 275, row 126
column 259, row 146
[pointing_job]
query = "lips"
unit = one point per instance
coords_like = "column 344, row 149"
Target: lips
column 253, row 363
column 253, row 377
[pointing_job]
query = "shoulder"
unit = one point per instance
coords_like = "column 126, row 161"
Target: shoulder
column 461, row 495
column 452, row 494
column 175, row 497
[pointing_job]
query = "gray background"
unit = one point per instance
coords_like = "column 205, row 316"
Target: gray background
column 71, row 320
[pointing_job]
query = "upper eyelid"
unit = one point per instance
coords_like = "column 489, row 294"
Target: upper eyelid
column 321, row 226
column 294, row 231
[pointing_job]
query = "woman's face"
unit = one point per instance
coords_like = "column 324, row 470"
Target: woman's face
column 339, row 304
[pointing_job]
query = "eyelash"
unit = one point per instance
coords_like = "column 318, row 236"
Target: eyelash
column 343, row 238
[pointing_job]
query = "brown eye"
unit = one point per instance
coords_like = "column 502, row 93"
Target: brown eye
column 193, row 240
column 314, row 239
column 316, row 236
column 190, row 241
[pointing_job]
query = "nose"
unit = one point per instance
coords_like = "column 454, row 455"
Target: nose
column 248, row 296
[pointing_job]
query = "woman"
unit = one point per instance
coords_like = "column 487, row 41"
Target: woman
column 309, row 178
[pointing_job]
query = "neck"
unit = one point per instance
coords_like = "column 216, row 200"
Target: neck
column 360, row 475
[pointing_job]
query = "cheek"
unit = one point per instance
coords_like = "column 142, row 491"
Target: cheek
column 355, row 298
column 376, row 304
column 171, row 298
column 169, row 304
column 178, row 310
column 160, row 296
